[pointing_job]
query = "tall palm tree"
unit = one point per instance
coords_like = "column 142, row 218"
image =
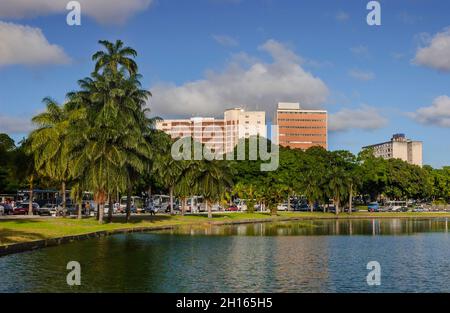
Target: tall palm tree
column 169, row 172
column 115, row 57
column 337, row 185
column 118, row 124
column 49, row 142
column 212, row 179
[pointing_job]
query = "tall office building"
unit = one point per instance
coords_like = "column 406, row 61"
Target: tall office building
column 399, row 147
column 242, row 124
column 217, row 134
column 206, row 130
column 300, row 128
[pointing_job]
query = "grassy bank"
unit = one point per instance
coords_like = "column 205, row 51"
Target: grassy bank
column 24, row 230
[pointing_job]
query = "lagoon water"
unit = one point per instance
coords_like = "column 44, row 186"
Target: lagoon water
column 305, row 256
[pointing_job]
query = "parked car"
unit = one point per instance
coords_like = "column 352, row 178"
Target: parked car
column 232, row 208
column 418, row 209
column 22, row 208
column 403, row 209
column 175, row 208
column 150, row 209
column 373, row 207
column 44, row 211
column 7, row 208
column 302, row 207
column 282, row 207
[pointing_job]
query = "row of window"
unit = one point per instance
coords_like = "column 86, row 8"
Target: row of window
column 304, row 127
column 302, row 112
column 300, row 120
column 304, row 135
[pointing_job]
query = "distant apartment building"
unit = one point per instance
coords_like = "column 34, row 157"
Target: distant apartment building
column 218, row 134
column 300, row 128
column 242, row 124
column 399, row 147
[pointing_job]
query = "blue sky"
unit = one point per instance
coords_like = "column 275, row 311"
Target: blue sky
column 199, row 57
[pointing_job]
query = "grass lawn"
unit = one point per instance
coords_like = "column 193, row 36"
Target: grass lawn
column 22, row 230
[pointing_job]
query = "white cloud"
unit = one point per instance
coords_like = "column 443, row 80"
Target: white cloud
column 104, row 11
column 27, row 46
column 225, row 40
column 246, row 81
column 15, row 125
column 364, row 117
column 436, row 52
column 438, row 114
column 361, row 75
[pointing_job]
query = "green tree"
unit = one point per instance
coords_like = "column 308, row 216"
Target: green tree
column 211, row 181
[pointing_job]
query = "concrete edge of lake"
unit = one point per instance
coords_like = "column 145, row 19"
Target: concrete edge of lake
column 51, row 242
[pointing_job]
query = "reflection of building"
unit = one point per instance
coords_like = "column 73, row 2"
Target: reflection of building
column 399, row 147
column 299, row 128
column 218, row 134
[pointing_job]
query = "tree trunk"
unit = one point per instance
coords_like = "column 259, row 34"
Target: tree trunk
column 80, row 204
column 30, row 200
column 110, row 211
column 63, row 190
column 311, row 206
column 209, row 209
column 171, row 200
column 337, row 205
column 350, row 202
column 289, row 202
column 128, row 209
column 183, row 206
column 101, row 212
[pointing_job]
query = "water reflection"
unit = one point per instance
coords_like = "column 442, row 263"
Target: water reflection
column 307, row 256
column 319, row 228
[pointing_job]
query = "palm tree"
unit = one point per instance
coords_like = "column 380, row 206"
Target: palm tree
column 49, row 142
column 212, row 179
column 25, row 169
column 117, row 128
column 337, row 186
column 115, row 57
column 185, row 184
column 168, row 171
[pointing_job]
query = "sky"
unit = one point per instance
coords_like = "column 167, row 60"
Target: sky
column 199, row 57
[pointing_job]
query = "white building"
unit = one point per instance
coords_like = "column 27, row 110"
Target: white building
column 242, row 124
column 399, row 147
column 218, row 134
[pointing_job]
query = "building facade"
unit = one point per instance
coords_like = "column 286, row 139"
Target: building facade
column 301, row 129
column 242, row 124
column 219, row 135
column 399, row 147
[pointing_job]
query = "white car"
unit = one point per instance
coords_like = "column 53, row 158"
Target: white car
column 282, row 207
